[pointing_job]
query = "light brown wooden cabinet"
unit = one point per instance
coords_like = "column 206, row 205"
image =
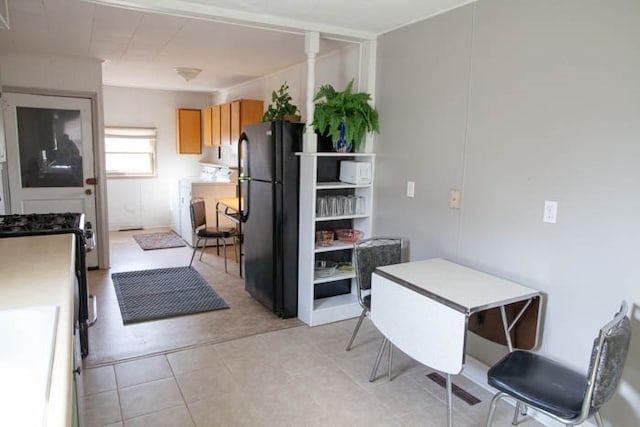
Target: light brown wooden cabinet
column 188, row 131
column 244, row 112
column 211, row 126
column 223, row 123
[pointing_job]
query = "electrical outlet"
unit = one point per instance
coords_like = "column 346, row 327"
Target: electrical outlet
column 411, row 188
column 454, row 199
column 550, row 214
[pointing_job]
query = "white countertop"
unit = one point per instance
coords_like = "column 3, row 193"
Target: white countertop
column 462, row 288
column 39, row 271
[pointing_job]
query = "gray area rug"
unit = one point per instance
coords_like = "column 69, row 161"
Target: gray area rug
column 159, row 240
column 162, row 293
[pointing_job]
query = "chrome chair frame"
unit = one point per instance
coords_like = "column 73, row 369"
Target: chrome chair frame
column 363, row 284
column 592, row 400
column 197, row 211
column 363, row 244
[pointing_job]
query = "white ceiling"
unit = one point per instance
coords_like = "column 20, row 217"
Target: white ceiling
column 233, row 41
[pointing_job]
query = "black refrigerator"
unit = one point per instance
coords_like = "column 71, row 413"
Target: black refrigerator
column 269, row 187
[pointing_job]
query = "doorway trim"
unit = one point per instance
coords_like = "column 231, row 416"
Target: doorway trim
column 98, row 159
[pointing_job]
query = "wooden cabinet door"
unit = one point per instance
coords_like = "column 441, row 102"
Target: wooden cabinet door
column 211, row 126
column 188, row 131
column 244, row 112
column 236, row 124
column 215, row 125
column 207, row 134
column 225, row 124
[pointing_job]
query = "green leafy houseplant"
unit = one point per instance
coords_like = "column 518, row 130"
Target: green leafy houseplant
column 344, row 112
column 281, row 107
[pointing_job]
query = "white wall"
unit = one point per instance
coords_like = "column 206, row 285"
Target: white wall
column 337, row 68
column 147, row 202
column 50, row 72
column 516, row 103
column 55, row 74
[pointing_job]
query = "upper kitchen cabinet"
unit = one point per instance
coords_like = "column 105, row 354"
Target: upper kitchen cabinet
column 188, row 131
column 225, row 124
column 244, row 112
column 211, row 126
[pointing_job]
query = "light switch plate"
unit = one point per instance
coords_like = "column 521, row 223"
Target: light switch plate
column 454, row 199
column 550, row 211
column 411, row 188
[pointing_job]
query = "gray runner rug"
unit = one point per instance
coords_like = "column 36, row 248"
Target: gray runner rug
column 165, row 292
column 162, row 240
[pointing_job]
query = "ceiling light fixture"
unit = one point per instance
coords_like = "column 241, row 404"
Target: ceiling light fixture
column 188, row 73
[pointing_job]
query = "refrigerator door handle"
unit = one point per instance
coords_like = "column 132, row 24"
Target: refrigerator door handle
column 244, row 176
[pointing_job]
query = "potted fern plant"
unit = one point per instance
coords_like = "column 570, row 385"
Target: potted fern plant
column 344, row 116
column 281, row 107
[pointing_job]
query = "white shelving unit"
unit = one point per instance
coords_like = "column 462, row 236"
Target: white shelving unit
column 317, row 311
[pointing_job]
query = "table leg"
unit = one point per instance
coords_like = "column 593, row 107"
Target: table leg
column 505, row 325
column 390, row 359
column 449, row 403
column 375, row 366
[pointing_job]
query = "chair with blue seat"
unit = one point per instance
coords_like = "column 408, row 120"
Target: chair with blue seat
column 550, row 387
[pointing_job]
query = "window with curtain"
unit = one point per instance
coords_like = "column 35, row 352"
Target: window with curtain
column 130, row 152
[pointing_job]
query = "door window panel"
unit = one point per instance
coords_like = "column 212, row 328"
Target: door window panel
column 49, row 146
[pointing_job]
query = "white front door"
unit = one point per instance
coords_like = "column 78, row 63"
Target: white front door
column 50, row 156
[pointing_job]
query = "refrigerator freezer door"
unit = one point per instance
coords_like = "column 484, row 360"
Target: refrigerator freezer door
column 272, row 146
column 262, row 150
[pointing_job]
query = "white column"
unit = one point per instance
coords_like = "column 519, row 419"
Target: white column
column 311, row 48
column 367, row 82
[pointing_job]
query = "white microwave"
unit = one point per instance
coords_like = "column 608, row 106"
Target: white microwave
column 355, row 172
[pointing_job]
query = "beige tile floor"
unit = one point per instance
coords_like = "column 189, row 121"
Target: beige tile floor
column 111, row 341
column 292, row 376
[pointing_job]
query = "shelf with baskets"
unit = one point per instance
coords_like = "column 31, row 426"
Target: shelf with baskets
column 326, row 206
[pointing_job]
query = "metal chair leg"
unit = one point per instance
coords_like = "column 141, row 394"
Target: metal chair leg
column 521, row 409
column 355, row 331
column 224, row 242
column 375, row 366
column 516, row 412
column 598, row 418
column 492, row 407
column 193, row 254
column 235, row 247
column 204, row 245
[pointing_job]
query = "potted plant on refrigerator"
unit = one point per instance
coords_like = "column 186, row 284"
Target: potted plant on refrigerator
column 344, row 116
column 281, row 107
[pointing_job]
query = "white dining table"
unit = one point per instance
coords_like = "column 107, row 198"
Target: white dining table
column 423, row 307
